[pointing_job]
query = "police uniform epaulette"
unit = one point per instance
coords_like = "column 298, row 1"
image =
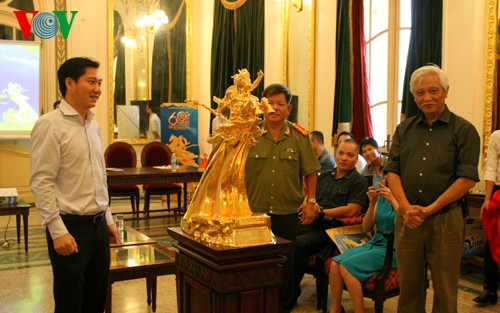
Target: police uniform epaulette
column 300, row 129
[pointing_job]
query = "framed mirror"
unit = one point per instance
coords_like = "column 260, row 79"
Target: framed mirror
column 149, row 57
column 298, row 56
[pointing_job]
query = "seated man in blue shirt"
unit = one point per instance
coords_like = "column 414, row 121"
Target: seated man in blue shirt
column 326, row 160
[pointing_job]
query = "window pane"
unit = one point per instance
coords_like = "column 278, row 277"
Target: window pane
column 19, row 36
column 385, row 75
column 5, row 32
column 405, row 13
column 367, row 18
column 379, row 117
column 380, row 16
column 404, row 42
column 378, row 69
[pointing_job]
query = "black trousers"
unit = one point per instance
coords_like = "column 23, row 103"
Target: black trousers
column 286, row 226
column 81, row 279
column 490, row 270
column 311, row 239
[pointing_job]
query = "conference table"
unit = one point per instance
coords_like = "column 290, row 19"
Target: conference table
column 154, row 175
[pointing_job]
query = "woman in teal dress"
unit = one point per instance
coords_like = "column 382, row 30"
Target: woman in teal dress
column 359, row 263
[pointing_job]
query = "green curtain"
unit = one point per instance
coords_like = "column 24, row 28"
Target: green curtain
column 119, row 54
column 425, row 45
column 249, row 40
column 343, row 93
column 222, row 67
column 168, row 71
column 120, row 88
column 352, row 99
column 237, row 43
column 21, row 5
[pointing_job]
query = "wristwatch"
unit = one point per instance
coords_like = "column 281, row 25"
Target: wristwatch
column 311, row 200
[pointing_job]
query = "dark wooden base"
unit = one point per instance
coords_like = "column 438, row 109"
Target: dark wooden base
column 224, row 279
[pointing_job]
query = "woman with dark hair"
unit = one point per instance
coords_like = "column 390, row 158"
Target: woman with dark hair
column 375, row 160
column 360, row 263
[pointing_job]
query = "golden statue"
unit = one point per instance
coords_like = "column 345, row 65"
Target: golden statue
column 219, row 212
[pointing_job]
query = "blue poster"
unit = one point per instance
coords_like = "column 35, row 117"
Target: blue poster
column 19, row 88
column 179, row 131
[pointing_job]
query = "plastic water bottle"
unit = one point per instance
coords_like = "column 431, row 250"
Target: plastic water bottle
column 173, row 162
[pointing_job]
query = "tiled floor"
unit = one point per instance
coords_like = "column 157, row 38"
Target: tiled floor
column 26, row 279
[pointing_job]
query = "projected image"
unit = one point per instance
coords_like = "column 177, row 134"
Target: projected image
column 19, row 88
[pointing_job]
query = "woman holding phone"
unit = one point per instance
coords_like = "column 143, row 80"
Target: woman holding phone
column 361, row 262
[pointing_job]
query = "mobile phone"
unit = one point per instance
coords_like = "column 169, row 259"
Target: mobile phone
column 376, row 180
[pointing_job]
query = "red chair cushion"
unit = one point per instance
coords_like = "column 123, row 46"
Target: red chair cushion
column 123, row 188
column 120, row 154
column 160, row 187
column 328, row 263
column 391, row 282
column 155, row 154
column 347, row 221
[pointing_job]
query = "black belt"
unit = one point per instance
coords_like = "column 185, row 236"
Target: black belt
column 449, row 207
column 84, row 218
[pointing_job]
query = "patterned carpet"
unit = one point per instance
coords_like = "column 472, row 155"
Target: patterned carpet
column 29, row 275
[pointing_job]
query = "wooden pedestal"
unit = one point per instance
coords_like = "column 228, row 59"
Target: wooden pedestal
column 224, row 279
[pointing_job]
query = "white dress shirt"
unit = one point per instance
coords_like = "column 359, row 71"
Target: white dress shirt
column 216, row 122
column 68, row 172
column 154, row 126
column 493, row 160
column 360, row 166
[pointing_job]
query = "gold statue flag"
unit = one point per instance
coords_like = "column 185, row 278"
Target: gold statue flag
column 219, row 212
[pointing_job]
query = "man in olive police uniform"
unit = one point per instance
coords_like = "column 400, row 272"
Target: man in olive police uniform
column 277, row 168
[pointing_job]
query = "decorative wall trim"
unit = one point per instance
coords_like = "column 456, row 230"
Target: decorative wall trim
column 286, row 30
column 61, row 44
column 490, row 71
column 189, row 49
column 14, row 150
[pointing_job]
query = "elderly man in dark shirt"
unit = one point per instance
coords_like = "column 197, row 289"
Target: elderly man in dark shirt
column 339, row 193
column 432, row 165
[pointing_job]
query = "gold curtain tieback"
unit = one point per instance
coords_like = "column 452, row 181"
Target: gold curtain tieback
column 232, row 5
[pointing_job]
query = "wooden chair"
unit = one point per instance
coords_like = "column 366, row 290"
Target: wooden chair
column 158, row 154
column 380, row 287
column 119, row 155
column 317, row 263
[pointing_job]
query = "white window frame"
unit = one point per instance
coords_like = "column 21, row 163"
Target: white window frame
column 393, row 103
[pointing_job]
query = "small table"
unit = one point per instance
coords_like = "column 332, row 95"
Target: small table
column 132, row 237
column 140, row 261
column 20, row 208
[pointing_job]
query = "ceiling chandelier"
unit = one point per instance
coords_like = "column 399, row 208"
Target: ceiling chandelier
column 153, row 19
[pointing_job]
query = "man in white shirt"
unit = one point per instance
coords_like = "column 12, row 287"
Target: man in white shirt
column 154, row 124
column 68, row 180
